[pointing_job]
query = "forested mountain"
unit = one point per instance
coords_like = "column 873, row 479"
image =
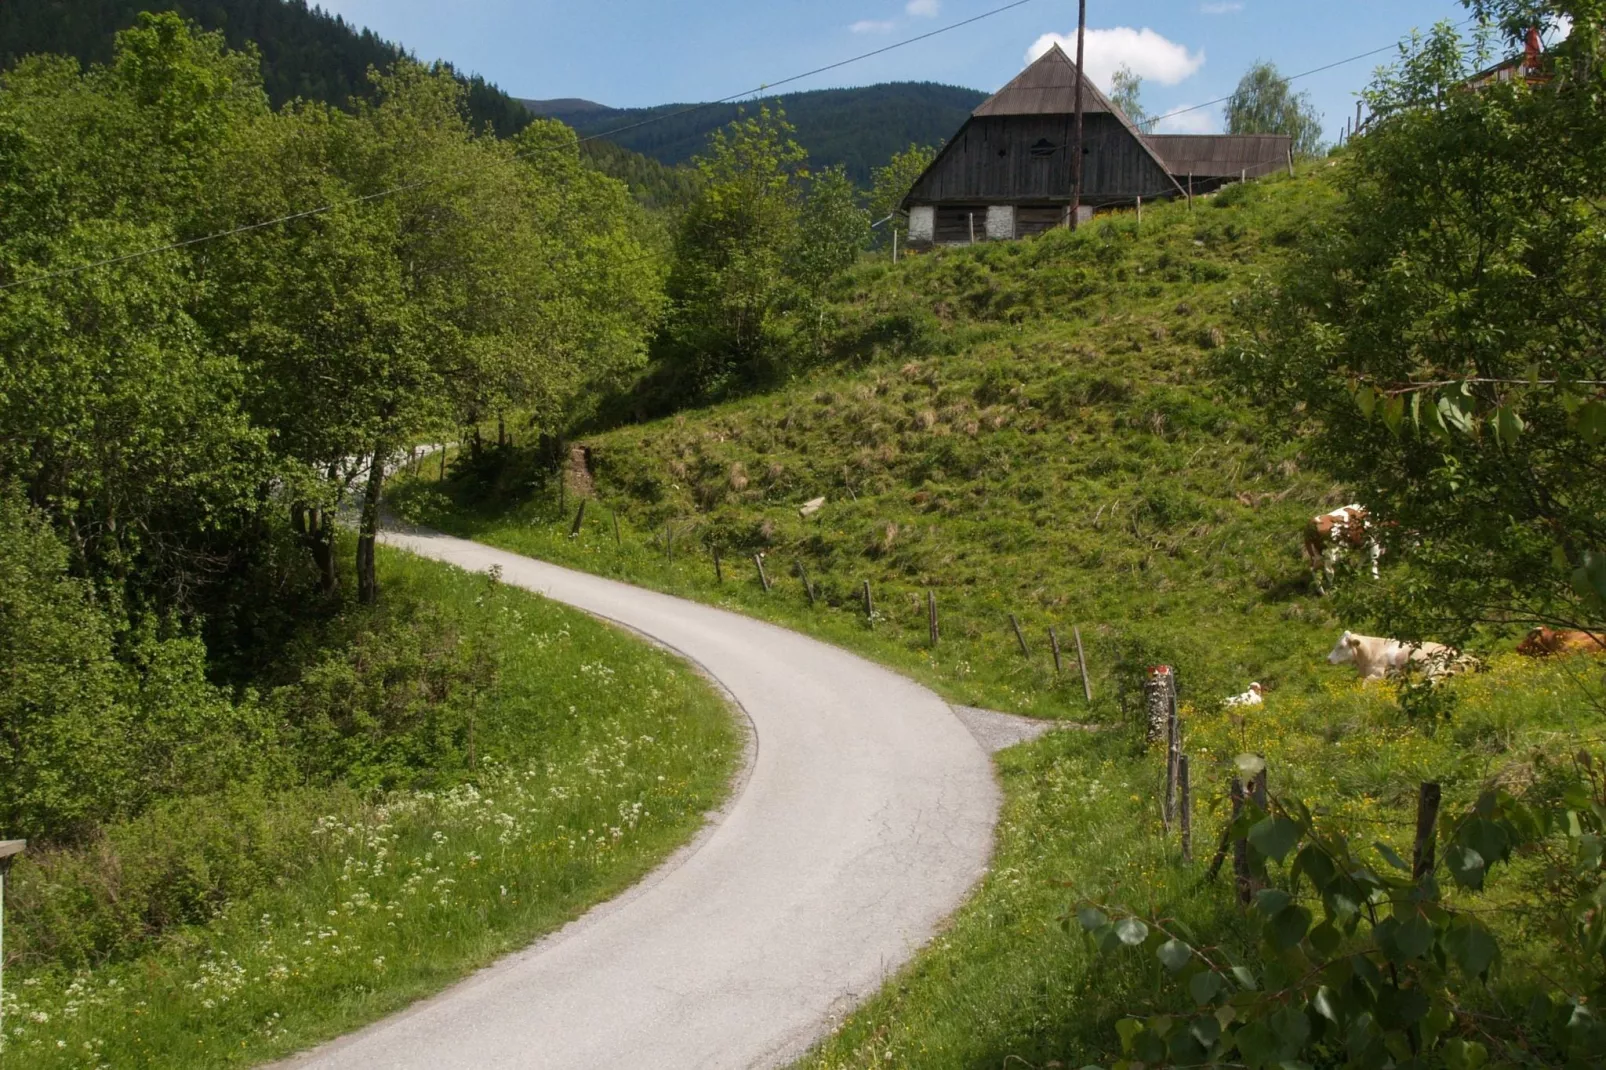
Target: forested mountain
column 306, row 52
column 857, row 128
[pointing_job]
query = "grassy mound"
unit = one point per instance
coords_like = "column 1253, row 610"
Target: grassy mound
column 590, row 757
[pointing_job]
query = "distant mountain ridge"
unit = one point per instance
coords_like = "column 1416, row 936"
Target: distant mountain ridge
column 858, row 128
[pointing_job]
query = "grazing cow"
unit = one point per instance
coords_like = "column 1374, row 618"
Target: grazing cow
column 1331, row 535
column 1376, row 658
column 1546, row 642
column 1252, row 697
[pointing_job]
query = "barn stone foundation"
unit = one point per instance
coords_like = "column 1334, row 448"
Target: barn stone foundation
column 922, row 224
column 1001, row 222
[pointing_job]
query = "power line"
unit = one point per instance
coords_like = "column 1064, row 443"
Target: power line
column 1290, row 78
column 353, row 202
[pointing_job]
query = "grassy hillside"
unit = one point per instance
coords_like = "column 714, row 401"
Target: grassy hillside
column 1033, row 428
column 299, row 914
column 858, row 128
column 1026, row 428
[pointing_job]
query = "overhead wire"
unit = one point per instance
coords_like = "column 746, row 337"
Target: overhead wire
column 322, row 209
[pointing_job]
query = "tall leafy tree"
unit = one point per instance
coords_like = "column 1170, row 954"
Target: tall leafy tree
column 1440, row 344
column 1126, row 93
column 1265, row 103
column 832, row 231
column 892, row 183
column 729, row 278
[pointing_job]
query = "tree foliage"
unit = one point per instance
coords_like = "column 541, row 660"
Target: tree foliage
column 1126, row 93
column 1265, row 103
column 1440, row 345
column 892, row 183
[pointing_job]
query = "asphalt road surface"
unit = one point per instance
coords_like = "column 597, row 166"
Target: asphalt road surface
column 865, row 818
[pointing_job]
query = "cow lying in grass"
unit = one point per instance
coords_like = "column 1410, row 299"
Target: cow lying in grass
column 1546, row 642
column 1376, row 658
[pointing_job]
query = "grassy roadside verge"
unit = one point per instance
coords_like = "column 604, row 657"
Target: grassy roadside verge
column 611, row 753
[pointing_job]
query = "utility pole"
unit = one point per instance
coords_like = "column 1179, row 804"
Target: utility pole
column 1076, row 159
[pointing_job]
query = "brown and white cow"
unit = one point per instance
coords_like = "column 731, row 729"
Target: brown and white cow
column 1332, row 535
column 1546, row 642
column 1376, row 658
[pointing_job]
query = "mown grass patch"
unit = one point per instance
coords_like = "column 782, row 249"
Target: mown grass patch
column 597, row 756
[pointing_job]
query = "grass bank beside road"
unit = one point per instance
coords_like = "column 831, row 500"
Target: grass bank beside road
column 596, row 756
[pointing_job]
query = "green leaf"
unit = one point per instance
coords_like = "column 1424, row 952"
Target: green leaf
column 1205, row 1030
column 1245, row 978
column 1466, row 866
column 1391, row 856
column 1508, row 425
column 1414, row 936
column 1464, row 1054
column 1131, row 931
column 1366, row 399
column 1204, row 987
column 1592, row 422
column 1128, row 1029
column 1092, row 918
column 1394, row 413
column 1270, row 900
column 1274, row 837
column 1486, row 837
column 1472, row 947
column 1174, row 955
column 1326, row 1004
column 1288, row 927
column 1457, row 415
column 1325, row 938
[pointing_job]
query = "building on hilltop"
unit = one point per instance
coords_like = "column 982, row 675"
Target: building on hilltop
column 1007, row 172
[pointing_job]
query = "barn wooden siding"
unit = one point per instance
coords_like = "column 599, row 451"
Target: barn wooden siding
column 1020, row 159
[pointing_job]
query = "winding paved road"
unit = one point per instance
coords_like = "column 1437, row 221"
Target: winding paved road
column 866, row 817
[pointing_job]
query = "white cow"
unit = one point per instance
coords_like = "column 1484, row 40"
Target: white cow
column 1252, row 697
column 1376, row 658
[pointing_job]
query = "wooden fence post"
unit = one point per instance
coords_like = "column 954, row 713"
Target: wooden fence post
column 1157, row 703
column 443, row 462
column 808, row 588
column 1081, row 663
column 1140, row 213
column 869, row 603
column 618, row 540
column 1427, row 818
column 669, row 541
column 931, row 616
column 1290, row 162
column 1190, row 191
column 758, row 559
column 1019, row 638
column 1185, row 802
column 1173, row 750
column 719, row 570
column 1054, row 645
column 579, row 518
column 1240, row 848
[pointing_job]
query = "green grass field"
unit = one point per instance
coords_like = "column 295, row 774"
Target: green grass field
column 602, row 756
column 1035, row 428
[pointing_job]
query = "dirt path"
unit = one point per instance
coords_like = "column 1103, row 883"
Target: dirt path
column 866, row 817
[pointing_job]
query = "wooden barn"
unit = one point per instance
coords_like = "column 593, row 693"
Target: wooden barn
column 1007, row 172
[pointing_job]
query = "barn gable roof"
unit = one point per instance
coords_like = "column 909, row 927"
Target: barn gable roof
column 1048, row 87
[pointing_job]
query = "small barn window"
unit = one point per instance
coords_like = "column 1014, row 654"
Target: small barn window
column 1043, row 149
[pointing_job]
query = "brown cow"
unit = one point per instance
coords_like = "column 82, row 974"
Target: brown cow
column 1546, row 642
column 1331, row 535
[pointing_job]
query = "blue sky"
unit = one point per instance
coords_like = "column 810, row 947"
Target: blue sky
column 637, row 52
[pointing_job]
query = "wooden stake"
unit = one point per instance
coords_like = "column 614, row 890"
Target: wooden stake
column 1190, row 191
column 931, row 616
column 869, row 603
column 1240, row 848
column 1054, row 645
column 579, row 518
column 1081, row 663
column 803, row 574
column 719, row 570
column 1019, row 638
column 758, row 559
column 618, row 540
column 894, row 245
column 669, row 542
column 1427, row 818
column 1140, row 213
column 443, row 462
column 973, row 228
column 1185, row 803
column 1290, row 162
column 1173, row 752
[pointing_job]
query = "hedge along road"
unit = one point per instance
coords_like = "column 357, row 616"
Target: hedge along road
column 866, row 817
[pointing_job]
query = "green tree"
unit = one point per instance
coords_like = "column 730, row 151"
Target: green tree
column 892, row 183
column 1439, row 344
column 832, row 232
column 1265, row 103
column 1126, row 93
column 729, row 278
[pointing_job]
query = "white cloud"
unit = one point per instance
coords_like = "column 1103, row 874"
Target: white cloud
column 1150, row 55
column 928, row 9
column 872, row 26
column 1221, row 7
column 1184, row 119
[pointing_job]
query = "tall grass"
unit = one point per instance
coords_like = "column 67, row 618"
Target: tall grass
column 599, row 756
